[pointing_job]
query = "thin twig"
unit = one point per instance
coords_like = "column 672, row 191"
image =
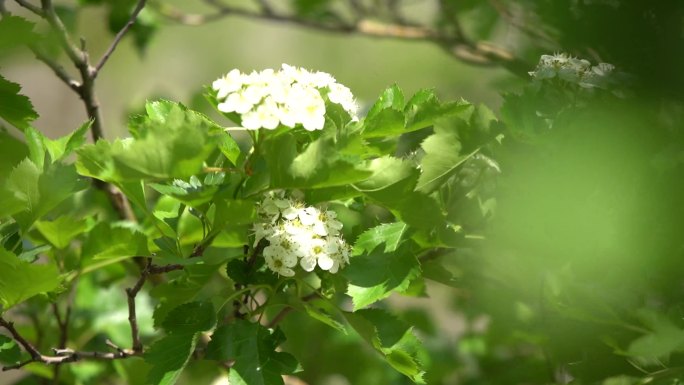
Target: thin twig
column 122, row 32
column 132, row 292
column 285, row 311
column 33, row 8
column 475, row 53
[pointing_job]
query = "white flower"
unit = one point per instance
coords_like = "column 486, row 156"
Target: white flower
column 572, row 70
column 289, row 97
column 279, row 261
column 231, row 82
column 299, row 234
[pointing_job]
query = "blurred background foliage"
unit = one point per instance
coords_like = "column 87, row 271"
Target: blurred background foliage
column 577, row 275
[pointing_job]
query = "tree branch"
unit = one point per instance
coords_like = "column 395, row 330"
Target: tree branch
column 456, row 45
column 139, row 7
column 132, row 292
column 287, row 310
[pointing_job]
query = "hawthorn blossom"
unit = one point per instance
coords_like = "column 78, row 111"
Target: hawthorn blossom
column 573, row 70
column 299, row 235
column 289, row 97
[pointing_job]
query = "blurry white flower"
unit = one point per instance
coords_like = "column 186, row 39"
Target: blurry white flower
column 573, row 70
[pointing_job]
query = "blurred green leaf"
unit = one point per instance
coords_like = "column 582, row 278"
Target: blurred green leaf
column 20, row 281
column 107, row 240
column 15, row 31
column 62, row 230
column 9, row 351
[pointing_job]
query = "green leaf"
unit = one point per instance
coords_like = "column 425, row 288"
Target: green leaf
column 390, row 234
column 234, row 212
column 169, row 355
column 9, row 351
column 229, row 148
column 322, row 315
column 387, row 171
column 253, row 347
column 39, row 192
column 665, row 338
column 442, row 158
column 14, row 32
column 112, row 241
column 190, row 317
column 66, row 145
column 374, row 276
column 424, row 109
column 169, row 142
column 12, row 151
column 386, row 117
column 20, row 281
column 325, row 162
column 392, row 338
column 16, row 109
column 62, row 230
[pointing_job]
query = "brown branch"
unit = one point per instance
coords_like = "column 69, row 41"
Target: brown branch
column 122, row 32
column 61, row 355
column 475, row 53
column 287, row 310
column 132, row 292
column 65, row 355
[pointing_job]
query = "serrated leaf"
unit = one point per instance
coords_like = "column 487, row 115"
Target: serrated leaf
column 390, row 234
column 170, row 142
column 39, row 192
column 375, row 276
column 392, row 338
column 386, row 116
column 253, row 347
column 168, row 357
column 14, row 32
column 442, row 159
column 424, row 109
column 20, row 281
column 190, row 317
column 321, row 315
column 62, row 230
column 15, row 108
column 107, row 241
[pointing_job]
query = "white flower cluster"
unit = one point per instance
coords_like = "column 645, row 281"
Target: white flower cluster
column 573, row 70
column 299, row 234
column 287, row 97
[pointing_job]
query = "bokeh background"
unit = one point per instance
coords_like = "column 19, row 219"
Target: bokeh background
column 576, row 278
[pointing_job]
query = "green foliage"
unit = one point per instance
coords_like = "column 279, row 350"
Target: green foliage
column 20, row 280
column 169, row 355
column 252, row 347
column 15, row 108
column 556, row 218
